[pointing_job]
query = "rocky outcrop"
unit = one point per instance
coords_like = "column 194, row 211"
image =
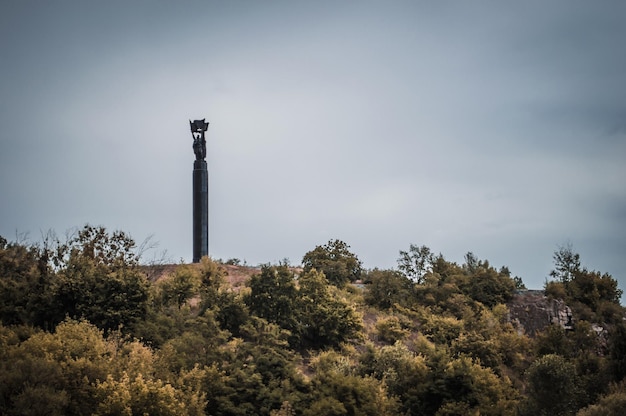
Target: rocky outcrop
column 531, row 311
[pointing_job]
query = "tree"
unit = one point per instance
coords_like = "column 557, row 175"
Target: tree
column 489, row 287
column 336, row 261
column 592, row 295
column 212, row 277
column 473, row 389
column 436, row 384
column 592, row 288
column 477, row 346
column 404, row 372
column 612, row 404
column 554, row 340
column 338, row 391
column 416, row 262
column 323, row 320
column 231, row 312
column 115, row 250
column 77, row 371
column 143, row 396
column 519, row 283
column 98, row 279
column 391, row 329
column 617, row 348
column 310, row 312
column 566, row 263
column 273, row 295
column 386, row 288
column 24, row 284
column 553, row 387
column 472, row 263
column 55, row 373
column 179, row 287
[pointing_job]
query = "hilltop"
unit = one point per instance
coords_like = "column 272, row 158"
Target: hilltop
column 86, row 330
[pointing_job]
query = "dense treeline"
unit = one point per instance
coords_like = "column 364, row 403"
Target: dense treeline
column 84, row 332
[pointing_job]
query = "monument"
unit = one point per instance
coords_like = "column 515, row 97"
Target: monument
column 200, row 191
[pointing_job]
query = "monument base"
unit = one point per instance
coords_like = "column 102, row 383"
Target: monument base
column 200, row 210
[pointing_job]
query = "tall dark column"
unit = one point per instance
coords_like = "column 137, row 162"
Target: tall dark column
column 200, row 191
column 200, row 210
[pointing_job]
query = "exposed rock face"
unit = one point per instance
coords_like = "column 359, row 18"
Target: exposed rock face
column 531, row 311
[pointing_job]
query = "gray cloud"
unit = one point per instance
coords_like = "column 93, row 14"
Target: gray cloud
column 483, row 126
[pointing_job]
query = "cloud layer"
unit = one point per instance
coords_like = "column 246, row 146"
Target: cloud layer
column 485, row 127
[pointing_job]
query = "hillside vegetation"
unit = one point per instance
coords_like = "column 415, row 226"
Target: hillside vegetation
column 87, row 330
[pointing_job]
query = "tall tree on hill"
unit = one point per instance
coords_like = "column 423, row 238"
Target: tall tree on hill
column 416, row 262
column 24, row 284
column 388, row 287
column 324, row 320
column 335, row 260
column 566, row 263
column 553, row 387
column 98, row 279
column 273, row 295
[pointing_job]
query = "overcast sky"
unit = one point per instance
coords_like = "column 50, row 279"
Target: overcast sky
column 488, row 126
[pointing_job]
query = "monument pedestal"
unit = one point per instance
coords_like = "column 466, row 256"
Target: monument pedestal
column 200, row 210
